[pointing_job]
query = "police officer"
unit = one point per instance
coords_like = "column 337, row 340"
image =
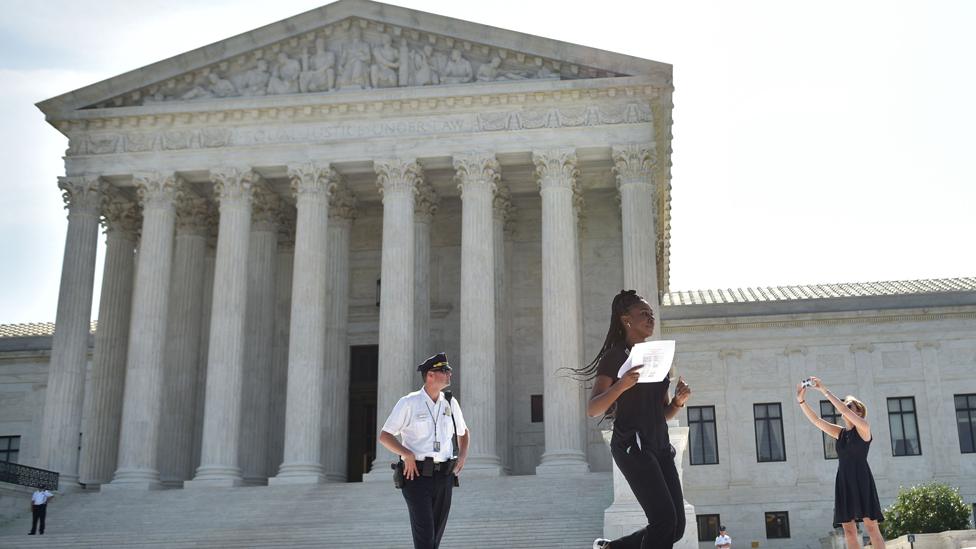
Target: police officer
column 423, row 421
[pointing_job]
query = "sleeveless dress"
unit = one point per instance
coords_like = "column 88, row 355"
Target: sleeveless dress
column 855, row 495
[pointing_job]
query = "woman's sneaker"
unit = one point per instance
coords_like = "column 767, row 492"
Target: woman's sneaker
column 601, row 543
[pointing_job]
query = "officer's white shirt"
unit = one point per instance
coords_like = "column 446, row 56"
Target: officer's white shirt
column 722, row 540
column 411, row 420
column 40, row 497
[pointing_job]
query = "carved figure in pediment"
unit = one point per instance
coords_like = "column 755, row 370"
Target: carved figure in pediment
column 255, row 81
column 354, row 62
column 215, row 87
column 490, row 71
column 319, row 70
column 423, row 73
column 284, row 77
column 156, row 97
column 438, row 62
column 458, row 70
column 546, row 72
column 383, row 71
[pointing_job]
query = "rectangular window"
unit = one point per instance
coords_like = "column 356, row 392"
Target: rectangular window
column 830, row 414
column 701, row 426
column 769, row 432
column 904, row 427
column 536, row 403
column 966, row 422
column 777, row 525
column 707, row 527
column 9, row 448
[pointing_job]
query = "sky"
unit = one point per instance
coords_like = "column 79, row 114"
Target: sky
column 814, row 142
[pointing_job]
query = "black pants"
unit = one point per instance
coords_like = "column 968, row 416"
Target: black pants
column 39, row 512
column 654, row 480
column 429, row 503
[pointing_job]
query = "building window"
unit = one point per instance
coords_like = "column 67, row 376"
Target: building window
column 777, row 525
column 708, row 527
column 966, row 422
column 769, row 432
column 904, row 427
column 9, row 448
column 704, row 447
column 829, row 414
column 536, row 403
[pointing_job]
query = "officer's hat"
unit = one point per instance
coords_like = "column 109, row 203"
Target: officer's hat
column 437, row 362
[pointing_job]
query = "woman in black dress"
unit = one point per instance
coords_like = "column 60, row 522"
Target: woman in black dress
column 855, row 495
column 640, row 445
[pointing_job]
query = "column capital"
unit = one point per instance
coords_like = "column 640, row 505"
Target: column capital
column 922, row 345
column 232, row 184
column 266, row 215
column 398, row 175
column 795, row 349
column 121, row 215
column 427, row 202
column 556, row 168
column 503, row 209
column 862, row 347
column 342, row 203
column 633, row 164
column 726, row 353
column 81, row 193
column 192, row 215
column 312, row 180
column 476, row 169
column 286, row 233
column 156, row 189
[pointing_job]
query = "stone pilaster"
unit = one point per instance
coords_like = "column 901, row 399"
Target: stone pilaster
column 103, row 409
column 941, row 410
column 427, row 204
column 633, row 166
column 142, row 400
column 503, row 212
column 282, row 322
column 219, row 460
column 180, row 378
column 806, row 446
column 69, row 349
column 302, row 462
column 478, row 176
column 556, row 171
column 398, row 181
column 262, row 260
column 342, row 211
column 865, row 366
column 740, row 435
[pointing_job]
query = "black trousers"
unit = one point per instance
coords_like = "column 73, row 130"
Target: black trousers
column 653, row 478
column 40, row 513
column 429, row 503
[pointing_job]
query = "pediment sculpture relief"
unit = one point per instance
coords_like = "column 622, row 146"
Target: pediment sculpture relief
column 348, row 58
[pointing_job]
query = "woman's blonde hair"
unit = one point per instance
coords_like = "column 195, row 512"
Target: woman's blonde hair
column 859, row 407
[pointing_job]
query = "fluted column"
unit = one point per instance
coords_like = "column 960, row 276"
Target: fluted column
column 335, row 412
column 262, row 260
column 477, row 177
column 209, row 263
column 427, row 202
column 306, row 347
column 180, row 379
column 142, row 400
column 103, row 409
column 503, row 211
column 69, row 349
column 398, row 181
column 557, row 172
column 219, row 460
column 284, row 273
column 634, row 169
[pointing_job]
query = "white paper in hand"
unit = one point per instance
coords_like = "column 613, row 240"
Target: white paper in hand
column 655, row 357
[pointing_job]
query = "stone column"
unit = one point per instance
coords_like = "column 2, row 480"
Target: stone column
column 427, row 203
column 806, row 446
column 562, row 406
column 209, row 264
column 864, row 370
column 477, row 177
column 142, row 400
column 219, row 460
column 396, row 376
column 180, row 379
column 741, row 433
column 941, row 411
column 262, row 259
column 69, row 349
column 103, row 410
column 302, row 463
column 503, row 211
column 634, row 169
column 335, row 412
column 282, row 323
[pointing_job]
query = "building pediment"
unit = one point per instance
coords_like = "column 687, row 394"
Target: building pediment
column 353, row 45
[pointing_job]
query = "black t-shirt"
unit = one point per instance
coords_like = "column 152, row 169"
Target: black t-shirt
column 639, row 409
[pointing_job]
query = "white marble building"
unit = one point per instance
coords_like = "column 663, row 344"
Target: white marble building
column 297, row 215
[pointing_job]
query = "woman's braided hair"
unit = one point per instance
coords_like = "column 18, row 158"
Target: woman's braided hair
column 621, row 303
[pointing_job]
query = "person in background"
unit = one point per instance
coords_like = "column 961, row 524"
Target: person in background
column 39, row 500
column 723, row 541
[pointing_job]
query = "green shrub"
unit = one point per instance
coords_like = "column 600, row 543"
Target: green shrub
column 925, row 509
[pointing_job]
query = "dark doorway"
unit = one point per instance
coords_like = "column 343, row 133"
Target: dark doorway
column 362, row 410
